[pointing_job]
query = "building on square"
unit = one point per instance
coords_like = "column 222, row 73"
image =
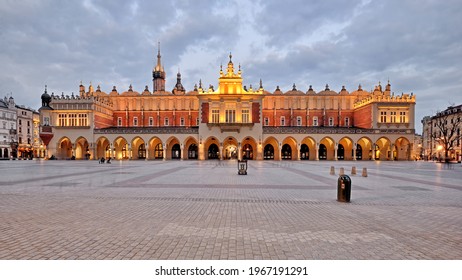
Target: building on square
column 443, row 131
column 232, row 121
column 8, row 131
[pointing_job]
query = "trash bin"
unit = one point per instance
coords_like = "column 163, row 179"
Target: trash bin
column 343, row 188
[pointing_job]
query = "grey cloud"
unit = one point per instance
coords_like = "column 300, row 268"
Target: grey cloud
column 417, row 44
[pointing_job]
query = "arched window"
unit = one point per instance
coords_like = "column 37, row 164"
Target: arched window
column 213, row 152
column 340, row 152
column 286, row 151
column 247, row 152
column 192, row 151
column 176, row 151
column 268, row 152
column 304, row 152
column 159, row 151
column 322, row 152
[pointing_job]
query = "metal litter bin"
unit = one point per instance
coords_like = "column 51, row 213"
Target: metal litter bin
column 343, row 188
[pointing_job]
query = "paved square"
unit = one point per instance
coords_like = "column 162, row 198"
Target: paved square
column 204, row 210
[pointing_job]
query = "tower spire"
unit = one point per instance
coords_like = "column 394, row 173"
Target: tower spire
column 158, row 73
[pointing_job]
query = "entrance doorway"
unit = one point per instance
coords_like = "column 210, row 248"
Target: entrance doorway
column 230, row 152
column 247, row 152
column 176, row 151
column 268, row 152
column 213, row 152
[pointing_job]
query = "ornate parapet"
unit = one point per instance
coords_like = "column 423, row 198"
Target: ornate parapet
column 331, row 130
column 148, row 130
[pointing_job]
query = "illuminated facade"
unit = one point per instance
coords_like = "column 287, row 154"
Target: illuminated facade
column 230, row 122
column 443, row 131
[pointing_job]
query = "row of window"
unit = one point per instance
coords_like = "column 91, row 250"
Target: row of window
column 299, row 122
column 151, row 121
column 446, row 121
column 393, row 118
column 20, row 122
column 230, row 116
column 8, row 115
column 11, row 124
column 73, row 119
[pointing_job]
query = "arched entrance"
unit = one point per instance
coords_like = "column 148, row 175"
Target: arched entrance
column 268, row 152
column 322, row 152
column 159, row 151
column 82, row 150
column 382, row 149
column 249, row 148
column 402, row 149
column 65, row 149
column 304, row 152
column 247, row 152
column 103, row 148
column 142, row 151
column 192, row 151
column 340, row 152
column 139, row 148
column 359, row 152
column 286, row 152
column 230, row 148
column 213, row 152
column 121, row 149
column 176, row 151
column 230, row 152
column 365, row 149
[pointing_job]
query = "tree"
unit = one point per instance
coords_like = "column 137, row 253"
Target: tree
column 447, row 129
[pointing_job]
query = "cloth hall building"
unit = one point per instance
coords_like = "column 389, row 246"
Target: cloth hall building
column 229, row 122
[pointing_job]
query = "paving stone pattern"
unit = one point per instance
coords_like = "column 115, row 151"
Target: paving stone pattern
column 204, row 210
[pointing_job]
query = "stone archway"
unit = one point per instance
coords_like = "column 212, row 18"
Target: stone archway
column 213, row 152
column 308, row 149
column 326, row 149
column 230, row 148
column 286, row 152
column 345, row 149
column 271, row 149
column 268, row 152
column 155, row 149
column 212, row 148
column 121, row 149
column 64, row 149
column 192, row 148
column 138, row 148
column 82, row 149
column 402, row 149
column 176, row 151
column 249, row 148
column 103, row 148
column 304, row 152
column 364, row 149
column 382, row 149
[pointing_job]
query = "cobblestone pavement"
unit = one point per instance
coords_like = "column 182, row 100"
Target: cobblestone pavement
column 204, row 210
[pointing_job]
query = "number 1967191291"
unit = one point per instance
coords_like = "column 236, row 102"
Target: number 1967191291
column 274, row 270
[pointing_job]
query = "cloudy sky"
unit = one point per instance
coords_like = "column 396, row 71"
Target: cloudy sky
column 417, row 45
